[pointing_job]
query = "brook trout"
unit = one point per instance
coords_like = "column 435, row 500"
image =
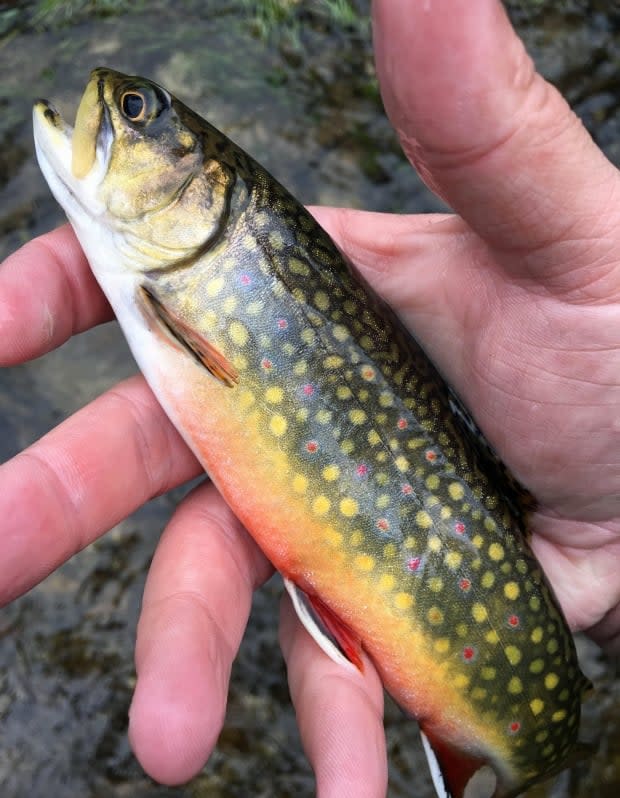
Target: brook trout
column 327, row 429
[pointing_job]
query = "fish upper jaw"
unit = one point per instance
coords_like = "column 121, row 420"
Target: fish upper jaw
column 53, row 139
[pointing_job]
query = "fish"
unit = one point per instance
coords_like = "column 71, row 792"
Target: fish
column 398, row 532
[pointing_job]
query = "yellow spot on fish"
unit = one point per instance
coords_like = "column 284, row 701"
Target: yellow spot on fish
column 445, row 513
column 479, row 693
column 229, row 304
column 387, row 582
column 559, row 715
column 479, row 612
column 552, row 646
column 299, row 267
column 386, row 399
column 343, row 392
column 513, row 655
column 389, row 550
column 432, row 483
column 492, row 637
column 537, row 634
column 254, row 308
column 276, row 240
column 462, row 630
column 274, row 395
column 333, row 362
column 249, row 242
column 357, row 416
column 308, row 336
column 537, row 706
column 496, row 552
column 340, row 332
column 321, row 505
column 364, row 562
column 424, row 521
column 442, row 645
column 348, row 507
column 402, row 464
column 456, row 491
column 403, row 601
column 356, row 538
column 435, row 583
column 488, row 579
column 490, row 525
column 541, row 736
column 551, row 681
column 238, row 333
column 511, row 590
column 435, row 616
column 321, row 300
column 477, row 541
column 488, row 673
column 347, row 446
column 331, row 473
column 383, row 501
column 300, row 483
column 278, row 425
column 535, row 603
column 453, row 559
column 333, row 537
column 373, row 437
column 302, row 414
column 246, row 399
column 214, row 286
column 461, row 681
column 537, row 666
column 515, row 685
column 323, row 416
column 434, row 542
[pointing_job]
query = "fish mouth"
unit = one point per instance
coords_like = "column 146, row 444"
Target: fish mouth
column 74, row 160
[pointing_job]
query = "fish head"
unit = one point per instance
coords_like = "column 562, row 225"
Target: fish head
column 138, row 173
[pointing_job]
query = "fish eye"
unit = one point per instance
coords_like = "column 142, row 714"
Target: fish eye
column 133, row 105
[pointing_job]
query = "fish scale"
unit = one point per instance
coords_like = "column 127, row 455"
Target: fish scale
column 330, row 433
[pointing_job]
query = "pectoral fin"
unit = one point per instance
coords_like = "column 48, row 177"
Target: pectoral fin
column 331, row 634
column 190, row 340
column 455, row 773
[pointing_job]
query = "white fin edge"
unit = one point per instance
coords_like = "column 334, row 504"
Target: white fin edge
column 300, row 602
column 435, row 768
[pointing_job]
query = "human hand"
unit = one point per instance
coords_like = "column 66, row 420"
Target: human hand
column 525, row 286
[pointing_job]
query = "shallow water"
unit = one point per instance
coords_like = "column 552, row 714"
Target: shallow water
column 307, row 107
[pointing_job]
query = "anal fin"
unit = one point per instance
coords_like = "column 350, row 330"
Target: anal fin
column 189, row 339
column 326, row 628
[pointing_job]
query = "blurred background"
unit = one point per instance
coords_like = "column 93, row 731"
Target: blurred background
column 293, row 82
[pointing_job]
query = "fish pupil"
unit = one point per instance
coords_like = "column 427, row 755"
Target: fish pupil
column 132, row 105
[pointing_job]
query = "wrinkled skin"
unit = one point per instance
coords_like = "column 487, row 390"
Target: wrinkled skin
column 516, row 298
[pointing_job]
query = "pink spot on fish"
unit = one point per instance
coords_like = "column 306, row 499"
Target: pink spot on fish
column 430, row 455
column 368, row 373
column 383, row 524
column 514, row 727
column 413, row 563
column 465, row 584
column 406, row 489
column 312, row 447
column 459, row 528
column 514, row 621
column 245, row 279
column 362, row 470
column 308, row 389
column 266, row 364
column 469, row 653
column 282, row 324
column 402, row 423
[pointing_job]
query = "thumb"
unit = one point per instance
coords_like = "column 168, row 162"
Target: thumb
column 489, row 134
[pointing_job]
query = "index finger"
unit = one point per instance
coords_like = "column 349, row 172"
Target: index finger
column 47, row 294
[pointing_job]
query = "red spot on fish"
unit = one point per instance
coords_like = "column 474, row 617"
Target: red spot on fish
column 469, row 653
column 402, row 423
column 514, row 727
column 383, row 524
column 362, row 470
column 465, row 584
column 308, row 390
column 407, row 489
column 245, row 279
column 282, row 324
column 266, row 364
column 514, row 621
column 312, row 447
column 368, row 373
column 414, row 563
column 459, row 528
column 430, row 455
